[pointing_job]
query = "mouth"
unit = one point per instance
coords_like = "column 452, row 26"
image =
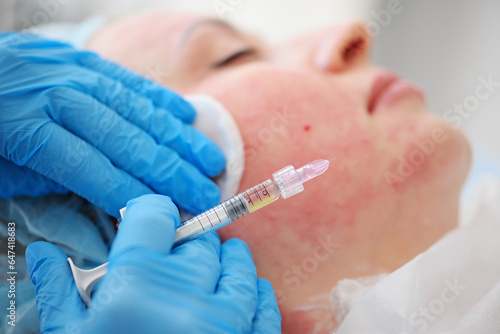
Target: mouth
column 388, row 88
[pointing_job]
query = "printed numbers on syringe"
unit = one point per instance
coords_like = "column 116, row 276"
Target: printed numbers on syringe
column 261, row 195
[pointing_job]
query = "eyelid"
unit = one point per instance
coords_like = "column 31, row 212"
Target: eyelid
column 233, row 57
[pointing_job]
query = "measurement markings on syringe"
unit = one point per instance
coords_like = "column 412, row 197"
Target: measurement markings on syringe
column 248, row 198
column 207, row 216
column 227, row 213
column 257, row 194
column 266, row 193
column 217, row 215
column 210, row 220
column 199, row 221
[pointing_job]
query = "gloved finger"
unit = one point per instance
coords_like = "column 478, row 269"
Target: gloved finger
column 65, row 158
column 267, row 317
column 160, row 96
column 157, row 123
column 58, row 302
column 22, row 181
column 238, row 280
column 135, row 151
column 149, row 223
column 197, row 262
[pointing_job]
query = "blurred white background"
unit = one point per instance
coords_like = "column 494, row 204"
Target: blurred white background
column 443, row 46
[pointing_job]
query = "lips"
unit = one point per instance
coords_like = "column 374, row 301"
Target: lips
column 387, row 88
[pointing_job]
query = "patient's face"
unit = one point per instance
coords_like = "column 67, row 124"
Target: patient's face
column 391, row 193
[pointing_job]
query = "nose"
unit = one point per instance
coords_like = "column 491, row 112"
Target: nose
column 342, row 47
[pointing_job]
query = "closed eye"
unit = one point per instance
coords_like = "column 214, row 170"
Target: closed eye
column 234, row 57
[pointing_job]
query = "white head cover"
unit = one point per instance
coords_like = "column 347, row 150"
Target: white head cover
column 76, row 34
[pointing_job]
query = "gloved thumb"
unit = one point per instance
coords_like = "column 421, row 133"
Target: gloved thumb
column 59, row 305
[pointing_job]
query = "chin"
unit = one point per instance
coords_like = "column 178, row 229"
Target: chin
column 437, row 155
column 452, row 156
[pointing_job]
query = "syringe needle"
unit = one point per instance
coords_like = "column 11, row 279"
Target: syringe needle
column 333, row 159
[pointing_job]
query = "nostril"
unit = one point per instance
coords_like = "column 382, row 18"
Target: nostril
column 353, row 49
column 340, row 48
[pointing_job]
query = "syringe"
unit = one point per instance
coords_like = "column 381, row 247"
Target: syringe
column 288, row 181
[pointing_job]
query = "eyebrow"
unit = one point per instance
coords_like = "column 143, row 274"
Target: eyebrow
column 199, row 24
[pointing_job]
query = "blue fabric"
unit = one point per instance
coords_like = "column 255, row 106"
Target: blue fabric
column 82, row 230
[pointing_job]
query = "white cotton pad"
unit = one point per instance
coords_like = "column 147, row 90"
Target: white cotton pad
column 215, row 122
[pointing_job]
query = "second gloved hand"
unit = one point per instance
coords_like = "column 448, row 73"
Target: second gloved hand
column 199, row 287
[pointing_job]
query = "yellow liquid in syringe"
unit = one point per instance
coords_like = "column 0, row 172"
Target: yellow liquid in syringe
column 261, row 195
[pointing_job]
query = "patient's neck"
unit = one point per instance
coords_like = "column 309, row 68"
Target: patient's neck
column 316, row 317
column 307, row 307
column 324, row 314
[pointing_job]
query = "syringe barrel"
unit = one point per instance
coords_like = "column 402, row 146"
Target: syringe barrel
column 211, row 219
column 236, row 207
column 261, row 195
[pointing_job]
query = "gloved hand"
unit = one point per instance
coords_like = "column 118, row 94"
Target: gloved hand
column 199, row 287
column 71, row 120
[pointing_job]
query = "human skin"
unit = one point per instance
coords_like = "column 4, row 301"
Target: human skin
column 297, row 102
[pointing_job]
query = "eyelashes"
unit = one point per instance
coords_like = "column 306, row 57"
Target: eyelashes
column 234, row 57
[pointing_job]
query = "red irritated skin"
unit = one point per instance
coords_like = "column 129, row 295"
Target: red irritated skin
column 392, row 192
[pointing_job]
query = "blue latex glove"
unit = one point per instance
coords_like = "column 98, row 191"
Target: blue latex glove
column 71, row 120
column 199, row 287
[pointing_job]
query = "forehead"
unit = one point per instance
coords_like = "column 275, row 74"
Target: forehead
column 142, row 32
column 143, row 42
column 161, row 21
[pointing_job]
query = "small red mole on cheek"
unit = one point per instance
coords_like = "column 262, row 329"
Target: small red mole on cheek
column 307, row 128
